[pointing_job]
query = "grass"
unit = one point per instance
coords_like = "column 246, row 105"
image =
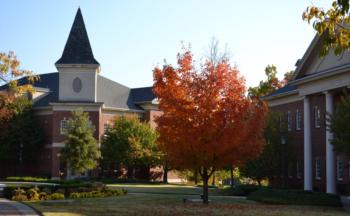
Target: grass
column 160, row 199
column 153, row 204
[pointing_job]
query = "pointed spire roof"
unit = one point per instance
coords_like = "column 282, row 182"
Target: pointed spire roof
column 77, row 49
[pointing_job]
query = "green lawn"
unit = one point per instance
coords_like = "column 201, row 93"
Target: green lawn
column 153, row 204
column 151, row 200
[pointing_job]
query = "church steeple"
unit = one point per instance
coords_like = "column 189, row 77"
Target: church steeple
column 77, row 49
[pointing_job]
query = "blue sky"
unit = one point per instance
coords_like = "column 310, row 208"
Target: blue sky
column 130, row 37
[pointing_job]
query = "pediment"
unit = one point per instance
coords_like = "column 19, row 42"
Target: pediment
column 313, row 63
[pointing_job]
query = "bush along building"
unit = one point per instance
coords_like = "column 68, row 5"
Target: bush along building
column 78, row 84
column 316, row 88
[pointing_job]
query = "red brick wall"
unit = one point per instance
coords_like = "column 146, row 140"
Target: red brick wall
column 59, row 138
column 295, row 141
column 150, row 116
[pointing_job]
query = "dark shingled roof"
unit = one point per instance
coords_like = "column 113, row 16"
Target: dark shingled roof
column 111, row 93
column 77, row 49
column 285, row 89
column 142, row 94
column 114, row 94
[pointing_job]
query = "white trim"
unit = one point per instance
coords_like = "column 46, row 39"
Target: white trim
column 284, row 94
column 93, row 66
column 121, row 109
column 73, row 106
column 283, row 101
column 39, row 112
column 40, row 89
column 56, row 145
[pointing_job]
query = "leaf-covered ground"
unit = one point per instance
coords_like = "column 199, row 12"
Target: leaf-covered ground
column 147, row 201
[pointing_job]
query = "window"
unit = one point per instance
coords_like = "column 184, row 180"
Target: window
column 349, row 170
column 290, row 171
column 298, row 170
column 340, row 169
column 289, row 120
column 106, row 127
column 63, row 126
column 318, row 169
column 281, row 121
column 317, row 115
column 298, row 120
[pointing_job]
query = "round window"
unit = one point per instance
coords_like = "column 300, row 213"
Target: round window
column 77, row 85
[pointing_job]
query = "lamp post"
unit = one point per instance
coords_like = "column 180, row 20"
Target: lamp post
column 284, row 159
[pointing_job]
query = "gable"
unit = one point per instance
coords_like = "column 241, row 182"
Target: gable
column 312, row 63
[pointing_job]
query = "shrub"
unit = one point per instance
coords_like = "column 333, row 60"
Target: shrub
column 56, row 196
column 97, row 193
column 19, row 197
column 43, row 196
column 9, row 191
column 294, row 197
column 241, row 190
column 74, row 195
column 33, row 194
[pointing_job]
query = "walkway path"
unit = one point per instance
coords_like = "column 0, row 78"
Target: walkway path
column 13, row 208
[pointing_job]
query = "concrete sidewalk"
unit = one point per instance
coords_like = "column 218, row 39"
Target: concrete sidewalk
column 13, row 208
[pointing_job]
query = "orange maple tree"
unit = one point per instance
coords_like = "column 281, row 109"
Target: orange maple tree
column 9, row 75
column 208, row 121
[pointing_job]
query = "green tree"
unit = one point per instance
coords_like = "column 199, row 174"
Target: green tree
column 131, row 143
column 81, row 152
column 269, row 163
column 271, row 83
column 20, row 135
column 339, row 125
column 332, row 24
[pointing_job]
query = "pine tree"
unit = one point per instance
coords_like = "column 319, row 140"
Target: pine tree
column 81, row 152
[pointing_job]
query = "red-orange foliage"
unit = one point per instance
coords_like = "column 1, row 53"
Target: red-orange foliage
column 208, row 121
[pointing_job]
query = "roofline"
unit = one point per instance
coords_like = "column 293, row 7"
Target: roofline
column 319, row 75
column 122, row 109
column 70, row 65
column 306, row 55
column 77, row 103
column 280, row 95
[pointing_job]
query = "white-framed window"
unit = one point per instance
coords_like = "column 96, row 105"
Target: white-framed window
column 290, row 171
column 63, row 126
column 289, row 120
column 348, row 170
column 106, row 127
column 281, row 121
column 298, row 120
column 299, row 174
column 340, row 169
column 317, row 116
column 317, row 168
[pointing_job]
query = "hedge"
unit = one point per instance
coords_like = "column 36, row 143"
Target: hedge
column 294, row 197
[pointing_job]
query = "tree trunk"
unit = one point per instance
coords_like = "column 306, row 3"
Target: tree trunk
column 165, row 173
column 213, row 182
column 205, row 189
column 195, row 176
column 68, row 175
column 205, row 174
column 232, row 179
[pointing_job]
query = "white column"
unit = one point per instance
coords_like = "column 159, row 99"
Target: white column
column 307, row 146
column 330, row 168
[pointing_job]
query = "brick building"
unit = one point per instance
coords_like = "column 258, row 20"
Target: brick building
column 317, row 86
column 78, row 84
